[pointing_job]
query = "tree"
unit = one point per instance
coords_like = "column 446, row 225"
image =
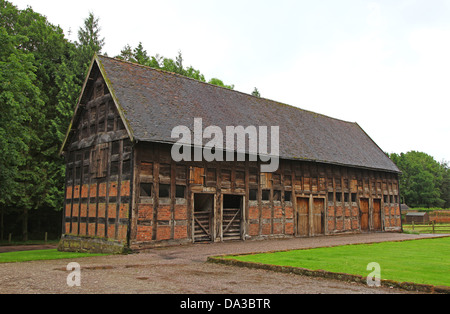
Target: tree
column 39, row 91
column 445, row 187
column 216, row 81
column 139, row 55
column 89, row 41
column 17, row 95
column 21, row 115
column 256, row 93
column 422, row 179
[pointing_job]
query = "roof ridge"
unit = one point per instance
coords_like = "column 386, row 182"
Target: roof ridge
column 224, row 88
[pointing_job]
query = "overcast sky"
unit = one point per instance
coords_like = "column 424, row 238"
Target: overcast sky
column 384, row 64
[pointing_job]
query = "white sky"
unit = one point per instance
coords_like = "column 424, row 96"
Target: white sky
column 384, row 64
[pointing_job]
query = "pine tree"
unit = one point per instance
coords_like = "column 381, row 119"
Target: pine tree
column 256, row 93
column 89, row 41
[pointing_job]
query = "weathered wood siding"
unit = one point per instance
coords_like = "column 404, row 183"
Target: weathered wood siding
column 99, row 170
column 300, row 199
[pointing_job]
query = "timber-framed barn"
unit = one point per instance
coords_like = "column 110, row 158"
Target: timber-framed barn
column 125, row 191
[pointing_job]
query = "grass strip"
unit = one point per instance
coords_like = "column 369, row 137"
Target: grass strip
column 38, row 255
column 425, row 261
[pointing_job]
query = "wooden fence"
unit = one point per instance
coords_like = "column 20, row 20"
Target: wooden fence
column 432, row 227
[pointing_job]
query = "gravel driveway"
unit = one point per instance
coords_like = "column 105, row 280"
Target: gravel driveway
column 184, row 270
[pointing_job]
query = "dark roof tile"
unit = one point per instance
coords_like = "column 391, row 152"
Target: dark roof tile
column 155, row 101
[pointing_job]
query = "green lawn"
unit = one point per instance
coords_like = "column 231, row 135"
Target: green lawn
column 25, row 256
column 420, row 261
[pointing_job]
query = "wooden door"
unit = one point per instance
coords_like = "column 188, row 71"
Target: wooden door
column 203, row 217
column 318, row 217
column 303, row 217
column 232, row 217
column 364, row 213
column 377, row 215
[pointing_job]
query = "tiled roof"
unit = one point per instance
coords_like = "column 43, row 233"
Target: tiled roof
column 154, row 102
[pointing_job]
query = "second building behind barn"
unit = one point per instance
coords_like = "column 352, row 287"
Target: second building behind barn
column 125, row 191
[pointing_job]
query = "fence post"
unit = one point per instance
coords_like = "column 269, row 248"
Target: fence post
column 413, row 224
column 46, row 238
column 433, row 226
column 10, row 238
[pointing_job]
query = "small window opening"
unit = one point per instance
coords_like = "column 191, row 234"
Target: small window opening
column 330, row 197
column 180, row 191
column 253, row 195
column 146, row 190
column 277, row 195
column 164, row 190
column 287, row 196
column 266, row 195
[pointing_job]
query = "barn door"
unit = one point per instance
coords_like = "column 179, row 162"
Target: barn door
column 377, row 215
column 302, row 217
column 364, row 214
column 232, row 217
column 203, row 217
column 318, row 217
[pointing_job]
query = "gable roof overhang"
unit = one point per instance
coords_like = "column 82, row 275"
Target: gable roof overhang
column 95, row 66
column 151, row 102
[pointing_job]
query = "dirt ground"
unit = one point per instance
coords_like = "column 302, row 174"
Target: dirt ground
column 184, row 270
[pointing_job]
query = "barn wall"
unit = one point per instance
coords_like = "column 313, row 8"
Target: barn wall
column 98, row 172
column 271, row 201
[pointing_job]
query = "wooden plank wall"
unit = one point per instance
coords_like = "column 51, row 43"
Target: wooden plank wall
column 136, row 193
column 98, row 170
column 269, row 198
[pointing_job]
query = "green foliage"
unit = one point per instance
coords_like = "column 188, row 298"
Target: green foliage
column 217, row 82
column 89, row 42
column 430, row 209
column 139, row 55
column 256, row 93
column 19, row 103
column 41, row 74
column 424, row 181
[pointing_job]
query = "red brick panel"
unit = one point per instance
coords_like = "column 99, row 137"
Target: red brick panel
column 93, row 192
column 163, row 233
column 278, row 212
column 289, row 212
column 145, row 211
column 102, row 210
column 122, row 236
column 266, row 229
column 144, row 233
column 180, row 212
column 69, row 192
column 125, row 188
column 254, row 229
column 180, row 232
column 164, row 212
column 124, row 211
column 289, row 228
column 113, row 189
column 266, row 212
column 112, row 210
column 253, row 213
